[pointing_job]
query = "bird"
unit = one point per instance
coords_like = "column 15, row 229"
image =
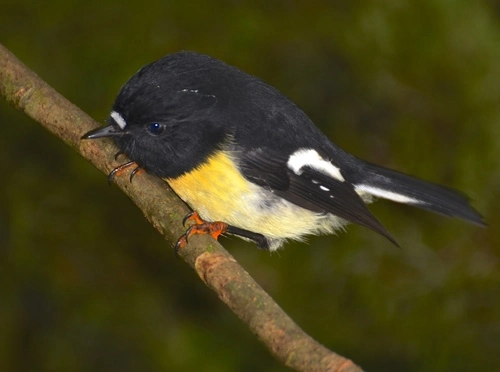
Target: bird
column 248, row 161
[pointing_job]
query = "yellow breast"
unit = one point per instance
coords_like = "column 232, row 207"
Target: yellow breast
column 215, row 189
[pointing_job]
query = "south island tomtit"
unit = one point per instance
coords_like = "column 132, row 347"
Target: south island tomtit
column 248, row 160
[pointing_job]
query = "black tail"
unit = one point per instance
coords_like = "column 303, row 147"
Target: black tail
column 389, row 184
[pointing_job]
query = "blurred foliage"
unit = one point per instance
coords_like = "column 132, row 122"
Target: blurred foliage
column 88, row 285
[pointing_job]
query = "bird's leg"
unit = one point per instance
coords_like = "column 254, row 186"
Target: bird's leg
column 215, row 229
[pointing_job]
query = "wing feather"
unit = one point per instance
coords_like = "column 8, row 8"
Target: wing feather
column 311, row 189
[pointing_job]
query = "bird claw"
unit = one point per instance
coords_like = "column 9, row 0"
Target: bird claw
column 215, row 229
column 117, row 155
column 121, row 168
column 192, row 216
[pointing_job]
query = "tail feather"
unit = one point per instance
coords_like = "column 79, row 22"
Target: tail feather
column 399, row 187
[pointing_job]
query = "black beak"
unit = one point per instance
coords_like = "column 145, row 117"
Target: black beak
column 108, row 131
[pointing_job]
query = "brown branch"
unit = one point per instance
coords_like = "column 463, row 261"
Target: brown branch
column 24, row 90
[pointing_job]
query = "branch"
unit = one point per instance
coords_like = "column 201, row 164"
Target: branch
column 24, row 90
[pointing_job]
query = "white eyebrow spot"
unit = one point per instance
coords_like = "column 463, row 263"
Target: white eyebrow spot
column 324, row 188
column 311, row 158
column 118, row 119
column 398, row 198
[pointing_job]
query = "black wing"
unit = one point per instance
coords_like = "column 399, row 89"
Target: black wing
column 312, row 189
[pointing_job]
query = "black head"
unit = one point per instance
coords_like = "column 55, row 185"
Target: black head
column 167, row 117
column 174, row 113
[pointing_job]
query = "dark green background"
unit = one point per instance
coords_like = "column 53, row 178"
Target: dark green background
column 86, row 284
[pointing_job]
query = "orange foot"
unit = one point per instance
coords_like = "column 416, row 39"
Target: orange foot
column 120, row 169
column 200, row 227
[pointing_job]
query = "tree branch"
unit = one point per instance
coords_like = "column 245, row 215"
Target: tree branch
column 24, row 90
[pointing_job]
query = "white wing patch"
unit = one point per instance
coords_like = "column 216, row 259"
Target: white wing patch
column 398, row 198
column 189, row 90
column 311, row 158
column 119, row 119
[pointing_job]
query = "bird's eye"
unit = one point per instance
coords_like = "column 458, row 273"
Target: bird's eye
column 155, row 128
